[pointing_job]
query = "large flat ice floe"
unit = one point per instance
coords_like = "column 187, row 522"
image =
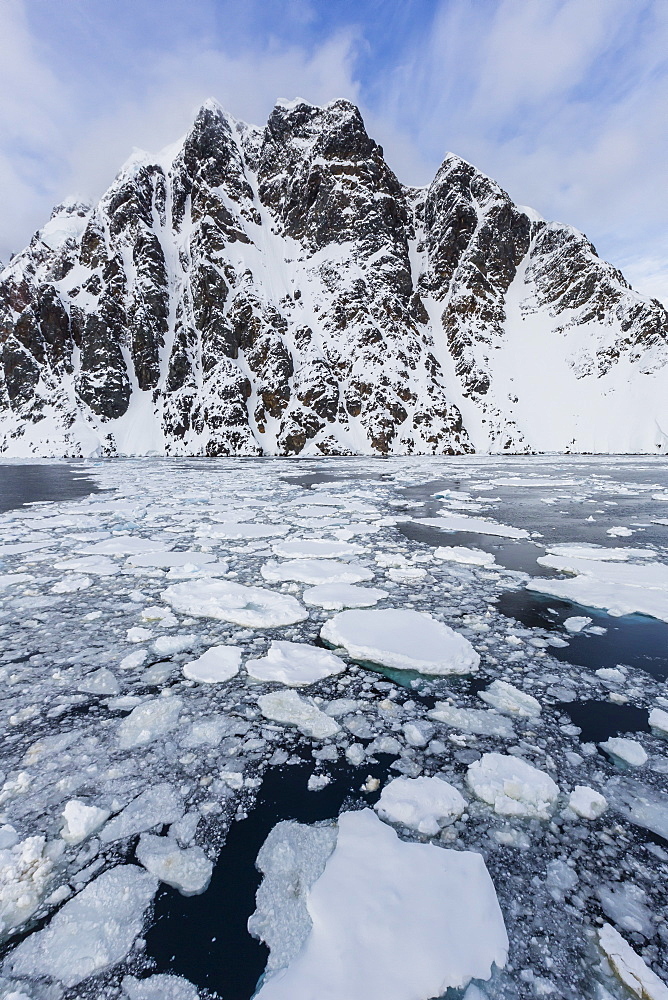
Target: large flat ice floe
column 253, row 607
column 295, row 663
column 479, row 525
column 512, row 786
column 403, row 640
column 93, row 931
column 393, row 921
column 620, row 588
column 217, row 664
column 315, row 571
column 337, row 596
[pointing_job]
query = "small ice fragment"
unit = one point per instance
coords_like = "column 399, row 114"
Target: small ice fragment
column 577, row 623
column 629, row 966
column 418, row 733
column 317, row 782
column 138, row 634
column 148, row 721
column 217, row 664
column 168, row 645
column 587, row 802
column 81, row 821
column 355, row 754
column 295, row 663
column 402, row 639
column 461, row 554
column 337, row 596
column 93, row 931
column 315, row 571
column 133, row 660
column 186, row 869
column 509, row 700
column 101, row 681
column 628, row 751
column 422, row 804
column 161, row 986
column 289, row 708
column 658, row 720
column 512, row 786
column 620, row 531
column 156, row 806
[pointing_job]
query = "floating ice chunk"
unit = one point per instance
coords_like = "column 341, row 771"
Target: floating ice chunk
column 658, row 720
column 315, row 571
column 232, row 602
column 576, row 623
column 156, row 806
column 138, row 634
column 629, row 966
column 461, row 522
column 159, row 987
column 509, row 700
column 406, row 574
column 171, row 560
column 155, row 613
column 291, row 859
column 625, row 750
column 384, row 744
column 188, row 870
column 587, row 802
column 411, row 919
column 122, row 545
column 472, row 720
column 12, row 579
column 422, row 804
column 295, row 663
column 402, row 639
column 611, row 674
column 290, row 709
column 241, row 529
column 626, row 905
column 167, row 645
column 355, row 754
column 418, row 733
column 337, row 596
column 620, row 588
column 317, row 782
column 81, row 821
column 620, row 531
column 72, row 584
column 133, row 660
column 641, row 804
column 25, row 872
column 599, row 553
column 98, row 565
column 512, row 786
column 101, row 681
column 217, row 664
column 148, row 721
column 318, row 548
column 92, row 932
column 461, row 554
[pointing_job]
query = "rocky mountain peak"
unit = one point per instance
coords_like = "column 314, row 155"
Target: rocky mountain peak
column 279, row 291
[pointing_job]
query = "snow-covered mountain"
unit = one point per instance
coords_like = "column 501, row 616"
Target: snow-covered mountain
column 278, row 291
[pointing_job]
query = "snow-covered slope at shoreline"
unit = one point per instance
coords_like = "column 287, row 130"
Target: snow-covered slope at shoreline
column 278, row 291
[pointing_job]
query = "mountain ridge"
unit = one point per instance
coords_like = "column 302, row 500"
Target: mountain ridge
column 255, row 291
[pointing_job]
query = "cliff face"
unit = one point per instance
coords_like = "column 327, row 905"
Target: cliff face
column 279, row 291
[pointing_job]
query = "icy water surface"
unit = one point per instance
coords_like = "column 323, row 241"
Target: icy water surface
column 180, row 675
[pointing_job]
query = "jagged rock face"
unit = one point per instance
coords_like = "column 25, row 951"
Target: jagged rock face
column 279, row 291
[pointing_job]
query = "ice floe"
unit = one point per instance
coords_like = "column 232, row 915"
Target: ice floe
column 290, row 709
column 25, row 873
column 186, row 869
column 512, row 786
column 315, row 571
column 630, row 967
column 159, row 987
column 254, row 607
column 156, row 806
column 423, row 804
column 81, row 821
column 412, row 920
column 217, row 664
column 337, row 596
column 509, row 700
column 620, row 588
column 472, row 720
column 625, row 750
column 462, row 554
column 148, row 721
column 316, row 548
column 479, row 525
column 587, row 802
column 295, row 663
column 402, row 639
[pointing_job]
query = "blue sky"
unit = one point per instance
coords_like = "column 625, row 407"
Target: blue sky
column 564, row 102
